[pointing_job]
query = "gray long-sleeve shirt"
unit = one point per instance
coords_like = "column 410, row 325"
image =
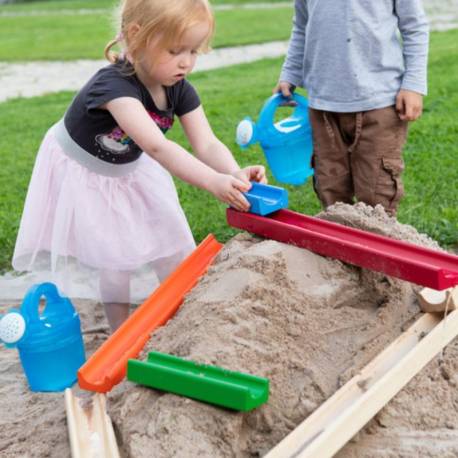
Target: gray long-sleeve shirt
column 349, row 56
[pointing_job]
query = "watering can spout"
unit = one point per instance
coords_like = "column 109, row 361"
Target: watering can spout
column 246, row 133
column 12, row 328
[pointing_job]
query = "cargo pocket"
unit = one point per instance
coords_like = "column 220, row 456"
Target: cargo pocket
column 317, row 180
column 390, row 189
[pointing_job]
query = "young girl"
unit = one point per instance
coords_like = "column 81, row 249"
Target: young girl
column 100, row 192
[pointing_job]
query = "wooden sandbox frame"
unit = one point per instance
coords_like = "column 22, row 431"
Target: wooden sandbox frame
column 338, row 419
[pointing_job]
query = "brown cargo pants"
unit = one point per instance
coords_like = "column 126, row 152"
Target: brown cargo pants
column 358, row 156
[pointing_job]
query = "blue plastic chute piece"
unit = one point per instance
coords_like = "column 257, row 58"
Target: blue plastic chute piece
column 265, row 199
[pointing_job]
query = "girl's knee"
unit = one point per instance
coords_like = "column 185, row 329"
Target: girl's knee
column 114, row 286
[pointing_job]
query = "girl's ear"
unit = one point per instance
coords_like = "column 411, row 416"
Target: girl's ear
column 132, row 30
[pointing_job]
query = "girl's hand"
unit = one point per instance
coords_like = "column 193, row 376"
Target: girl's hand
column 228, row 189
column 409, row 105
column 252, row 173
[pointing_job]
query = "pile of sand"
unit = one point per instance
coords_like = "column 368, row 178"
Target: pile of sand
column 306, row 322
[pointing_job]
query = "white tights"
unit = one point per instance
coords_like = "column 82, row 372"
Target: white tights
column 115, row 289
column 115, row 294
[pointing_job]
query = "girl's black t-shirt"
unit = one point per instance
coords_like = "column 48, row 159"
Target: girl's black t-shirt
column 97, row 132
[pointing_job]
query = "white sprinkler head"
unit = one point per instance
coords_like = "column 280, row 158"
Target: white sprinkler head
column 12, row 328
column 245, row 132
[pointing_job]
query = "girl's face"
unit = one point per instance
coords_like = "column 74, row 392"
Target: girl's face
column 172, row 65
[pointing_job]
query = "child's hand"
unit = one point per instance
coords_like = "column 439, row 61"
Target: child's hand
column 228, row 189
column 409, row 105
column 285, row 88
column 252, row 173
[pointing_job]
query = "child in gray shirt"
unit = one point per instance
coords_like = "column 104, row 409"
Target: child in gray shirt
column 364, row 84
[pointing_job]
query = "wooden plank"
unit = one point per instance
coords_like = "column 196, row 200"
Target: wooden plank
column 338, row 419
column 90, row 429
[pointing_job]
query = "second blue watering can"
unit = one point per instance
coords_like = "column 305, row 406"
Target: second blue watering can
column 287, row 144
column 50, row 344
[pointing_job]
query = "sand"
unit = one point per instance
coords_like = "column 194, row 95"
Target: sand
column 306, row 322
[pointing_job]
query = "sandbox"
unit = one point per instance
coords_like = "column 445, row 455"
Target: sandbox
column 306, row 322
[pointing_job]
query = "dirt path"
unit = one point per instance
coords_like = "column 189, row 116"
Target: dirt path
column 38, row 78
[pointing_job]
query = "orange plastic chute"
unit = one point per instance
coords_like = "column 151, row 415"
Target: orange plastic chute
column 108, row 365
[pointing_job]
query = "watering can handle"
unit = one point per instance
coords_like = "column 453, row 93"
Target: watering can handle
column 266, row 117
column 31, row 301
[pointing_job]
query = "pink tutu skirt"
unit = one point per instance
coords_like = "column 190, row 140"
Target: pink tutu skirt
column 77, row 223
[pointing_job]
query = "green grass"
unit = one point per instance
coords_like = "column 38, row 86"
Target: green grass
column 69, row 37
column 32, row 6
column 228, row 95
column 431, row 202
column 55, row 5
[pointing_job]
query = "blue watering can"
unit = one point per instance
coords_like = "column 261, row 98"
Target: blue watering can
column 50, row 344
column 287, row 144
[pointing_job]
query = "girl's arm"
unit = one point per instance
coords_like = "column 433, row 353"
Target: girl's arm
column 210, row 150
column 205, row 144
column 133, row 119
